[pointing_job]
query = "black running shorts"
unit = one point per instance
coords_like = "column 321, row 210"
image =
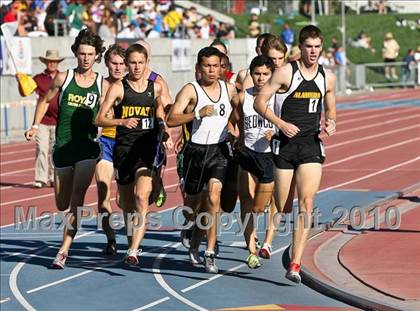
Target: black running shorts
column 290, row 153
column 259, row 164
column 203, row 162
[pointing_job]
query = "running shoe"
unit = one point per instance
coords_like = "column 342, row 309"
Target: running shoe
column 210, row 262
column 110, row 249
column 38, row 184
column 186, row 235
column 265, row 251
column 253, row 261
column 161, row 198
column 59, row 261
column 194, row 257
column 292, row 273
column 132, row 257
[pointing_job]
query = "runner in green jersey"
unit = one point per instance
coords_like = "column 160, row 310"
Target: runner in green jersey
column 75, row 151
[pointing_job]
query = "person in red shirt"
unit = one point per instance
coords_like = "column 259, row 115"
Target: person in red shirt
column 12, row 15
column 45, row 137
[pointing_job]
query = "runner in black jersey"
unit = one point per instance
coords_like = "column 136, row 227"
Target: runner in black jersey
column 139, row 120
column 297, row 149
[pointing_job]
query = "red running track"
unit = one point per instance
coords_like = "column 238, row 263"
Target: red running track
column 373, row 149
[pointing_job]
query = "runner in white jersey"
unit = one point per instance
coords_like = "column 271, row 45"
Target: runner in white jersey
column 254, row 154
column 204, row 106
column 297, row 150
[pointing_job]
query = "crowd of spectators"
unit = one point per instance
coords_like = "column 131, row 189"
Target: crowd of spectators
column 134, row 19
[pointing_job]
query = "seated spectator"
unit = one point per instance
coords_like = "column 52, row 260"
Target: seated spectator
column 362, row 41
column 132, row 32
column 254, row 28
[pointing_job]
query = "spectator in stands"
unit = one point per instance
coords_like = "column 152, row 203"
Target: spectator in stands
column 362, row 41
column 327, row 59
column 288, row 36
column 45, row 137
column 133, row 32
column 107, row 29
column 390, row 53
column 54, row 12
column 74, row 14
column 254, row 28
column 172, row 19
column 12, row 13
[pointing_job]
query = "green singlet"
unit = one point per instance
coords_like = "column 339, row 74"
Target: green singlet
column 75, row 131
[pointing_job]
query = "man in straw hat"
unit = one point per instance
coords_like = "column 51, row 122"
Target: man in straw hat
column 46, row 132
column 390, row 53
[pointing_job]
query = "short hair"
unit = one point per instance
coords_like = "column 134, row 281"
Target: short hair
column 87, row 37
column 262, row 60
column 263, row 37
column 310, row 31
column 114, row 49
column 219, row 42
column 136, row 47
column 274, row 42
column 208, row 52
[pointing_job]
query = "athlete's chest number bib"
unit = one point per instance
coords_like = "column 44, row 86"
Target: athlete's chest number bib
column 147, row 123
column 90, row 100
column 313, row 105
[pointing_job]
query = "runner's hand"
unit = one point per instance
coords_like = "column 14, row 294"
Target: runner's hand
column 130, row 123
column 269, row 134
column 330, row 127
column 207, row 111
column 289, row 129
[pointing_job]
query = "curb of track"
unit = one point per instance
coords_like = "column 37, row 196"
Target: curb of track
column 338, row 292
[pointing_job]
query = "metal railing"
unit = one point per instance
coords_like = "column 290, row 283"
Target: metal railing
column 371, row 76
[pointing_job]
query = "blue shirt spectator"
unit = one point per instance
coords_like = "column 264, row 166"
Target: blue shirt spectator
column 288, row 36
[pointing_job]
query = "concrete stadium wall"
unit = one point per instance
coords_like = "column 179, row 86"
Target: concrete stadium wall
column 16, row 112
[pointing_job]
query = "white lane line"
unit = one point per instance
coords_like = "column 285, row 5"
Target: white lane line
column 52, row 194
column 17, row 172
column 17, row 161
column 196, row 285
column 187, row 289
column 372, row 136
column 9, row 146
column 13, row 276
column 359, row 155
column 165, row 286
column 152, row 304
column 373, row 174
column 89, row 271
column 374, row 115
column 359, row 128
column 10, row 187
column 113, row 262
column 350, row 112
column 17, row 152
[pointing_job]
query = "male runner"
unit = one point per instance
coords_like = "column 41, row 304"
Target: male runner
column 297, row 150
column 75, row 151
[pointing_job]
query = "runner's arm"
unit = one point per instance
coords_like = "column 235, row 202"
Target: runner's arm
column 42, row 106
